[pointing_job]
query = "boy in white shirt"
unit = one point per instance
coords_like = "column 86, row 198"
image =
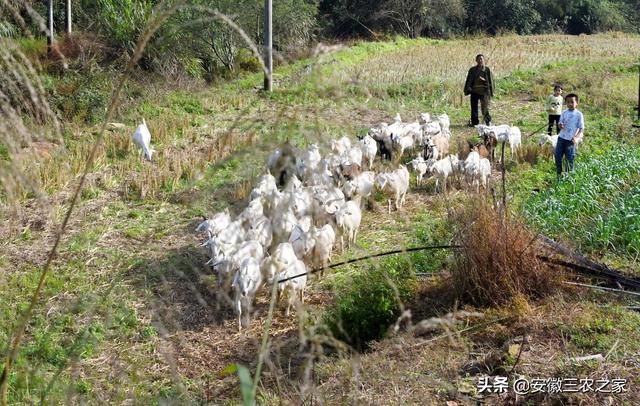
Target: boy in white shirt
column 553, row 106
column 571, row 133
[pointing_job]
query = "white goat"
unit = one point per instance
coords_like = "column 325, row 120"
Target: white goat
column 233, row 233
column 324, row 238
column 246, row 283
column 485, row 172
column 261, row 231
column 142, row 138
column 249, row 248
column 282, row 224
column 425, row 117
column 361, row 186
column 301, row 201
column 394, row 184
column 284, row 254
column 308, row 163
column 326, row 200
column 443, row 168
column 341, row 146
column 265, row 186
column 515, row 140
column 301, row 241
column 283, row 257
column 499, row 132
column 293, row 288
column 252, row 212
column 348, row 219
column 269, row 268
column 444, row 121
column 214, row 225
column 472, row 166
column 551, row 139
column 223, row 267
column 419, row 165
column 401, row 143
column 369, row 149
column 431, row 128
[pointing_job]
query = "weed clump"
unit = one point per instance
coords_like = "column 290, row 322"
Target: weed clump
column 498, row 262
column 365, row 310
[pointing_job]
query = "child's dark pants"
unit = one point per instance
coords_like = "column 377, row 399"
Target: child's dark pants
column 553, row 118
column 564, row 147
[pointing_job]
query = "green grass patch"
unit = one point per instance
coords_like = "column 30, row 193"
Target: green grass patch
column 367, row 307
column 596, row 205
column 596, row 330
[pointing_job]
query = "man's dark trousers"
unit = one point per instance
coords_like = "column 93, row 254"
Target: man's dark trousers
column 484, row 105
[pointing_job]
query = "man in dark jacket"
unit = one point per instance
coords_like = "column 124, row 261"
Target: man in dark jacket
column 479, row 85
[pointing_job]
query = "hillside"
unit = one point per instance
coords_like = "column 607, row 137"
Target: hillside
column 129, row 313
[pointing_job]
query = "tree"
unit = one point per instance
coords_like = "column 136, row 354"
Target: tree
column 493, row 16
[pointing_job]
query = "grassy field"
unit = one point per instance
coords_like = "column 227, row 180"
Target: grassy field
column 129, row 313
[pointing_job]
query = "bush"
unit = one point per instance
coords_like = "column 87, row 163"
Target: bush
column 247, row 61
column 82, row 97
column 498, row 262
column 367, row 307
column 119, row 22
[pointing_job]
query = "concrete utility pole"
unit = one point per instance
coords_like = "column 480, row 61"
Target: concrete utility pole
column 68, row 16
column 50, row 36
column 268, row 46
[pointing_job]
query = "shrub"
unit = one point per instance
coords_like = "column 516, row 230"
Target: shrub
column 498, row 262
column 367, row 307
column 247, row 61
column 82, row 97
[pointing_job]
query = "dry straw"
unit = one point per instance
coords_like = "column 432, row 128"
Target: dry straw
column 498, row 263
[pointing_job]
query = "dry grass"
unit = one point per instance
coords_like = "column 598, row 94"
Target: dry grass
column 448, row 61
column 498, row 264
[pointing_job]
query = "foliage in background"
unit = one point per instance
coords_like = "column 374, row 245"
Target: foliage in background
column 414, row 18
column 438, row 18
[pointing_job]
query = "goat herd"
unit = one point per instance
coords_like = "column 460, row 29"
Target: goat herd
column 306, row 203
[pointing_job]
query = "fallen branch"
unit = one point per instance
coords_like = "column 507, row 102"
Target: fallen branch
column 595, row 357
column 585, row 265
column 584, row 285
column 474, row 327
